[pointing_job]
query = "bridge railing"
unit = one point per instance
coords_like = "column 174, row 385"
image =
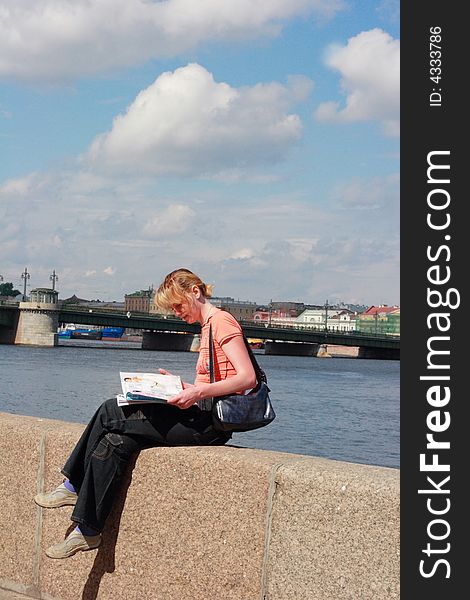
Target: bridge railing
column 244, row 323
column 289, row 327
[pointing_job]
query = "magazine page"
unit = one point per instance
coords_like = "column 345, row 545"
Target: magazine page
column 149, row 386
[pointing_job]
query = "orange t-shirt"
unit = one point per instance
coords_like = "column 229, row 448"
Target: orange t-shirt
column 224, row 328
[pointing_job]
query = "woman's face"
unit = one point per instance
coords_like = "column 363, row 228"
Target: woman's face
column 188, row 309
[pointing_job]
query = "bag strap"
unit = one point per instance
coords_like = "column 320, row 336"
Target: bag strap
column 211, row 355
column 260, row 374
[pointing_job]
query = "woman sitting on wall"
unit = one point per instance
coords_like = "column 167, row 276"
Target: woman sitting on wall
column 98, row 462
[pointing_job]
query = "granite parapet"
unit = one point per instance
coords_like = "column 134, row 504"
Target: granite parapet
column 202, row 523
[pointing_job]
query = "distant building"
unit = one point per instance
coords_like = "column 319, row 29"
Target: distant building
column 261, row 314
column 44, row 295
column 75, row 300
column 379, row 320
column 94, row 304
column 314, row 318
column 111, row 305
column 274, row 317
column 278, row 313
column 140, row 301
column 331, row 320
column 344, row 320
column 242, row 310
column 287, row 309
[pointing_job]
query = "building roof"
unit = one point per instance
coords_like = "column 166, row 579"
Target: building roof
column 140, row 294
column 75, row 300
column 379, row 310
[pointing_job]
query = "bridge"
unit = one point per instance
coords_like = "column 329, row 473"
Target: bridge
column 370, row 344
column 262, row 331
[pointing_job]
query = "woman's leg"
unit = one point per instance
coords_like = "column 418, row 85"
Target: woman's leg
column 104, row 473
column 98, row 462
column 101, row 422
column 100, row 458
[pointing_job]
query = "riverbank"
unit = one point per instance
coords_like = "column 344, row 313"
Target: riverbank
column 135, row 341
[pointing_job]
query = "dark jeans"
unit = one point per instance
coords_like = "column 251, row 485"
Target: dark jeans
column 114, row 434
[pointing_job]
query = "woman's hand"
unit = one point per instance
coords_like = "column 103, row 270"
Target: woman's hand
column 189, row 396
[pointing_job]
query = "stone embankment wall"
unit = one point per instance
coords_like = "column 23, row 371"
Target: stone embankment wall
column 342, row 351
column 221, row 523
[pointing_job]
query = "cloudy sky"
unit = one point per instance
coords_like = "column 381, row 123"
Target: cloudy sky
column 255, row 142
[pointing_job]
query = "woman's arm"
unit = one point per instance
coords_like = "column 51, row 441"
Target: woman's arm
column 245, row 378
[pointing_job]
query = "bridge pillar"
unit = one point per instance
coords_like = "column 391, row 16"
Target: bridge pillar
column 183, row 342
column 291, row 348
column 37, row 324
column 7, row 335
column 322, row 351
column 379, row 353
column 8, row 325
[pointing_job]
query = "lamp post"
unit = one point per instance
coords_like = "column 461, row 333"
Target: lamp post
column 270, row 312
column 326, row 315
column 25, row 275
column 53, row 278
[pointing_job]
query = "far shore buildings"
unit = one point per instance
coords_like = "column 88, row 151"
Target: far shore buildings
column 312, row 317
column 375, row 320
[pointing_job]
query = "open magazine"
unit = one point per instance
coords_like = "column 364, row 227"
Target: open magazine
column 147, row 387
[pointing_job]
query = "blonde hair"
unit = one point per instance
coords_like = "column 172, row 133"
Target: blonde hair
column 176, row 287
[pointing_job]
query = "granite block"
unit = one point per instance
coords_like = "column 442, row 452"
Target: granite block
column 190, row 526
column 19, row 459
column 334, row 532
column 22, row 459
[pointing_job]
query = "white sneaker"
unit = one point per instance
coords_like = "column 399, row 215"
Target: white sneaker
column 61, row 496
column 74, row 542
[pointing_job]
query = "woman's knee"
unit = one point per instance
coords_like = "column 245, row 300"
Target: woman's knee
column 110, row 403
column 110, row 408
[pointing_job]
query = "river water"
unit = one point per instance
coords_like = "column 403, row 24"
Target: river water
column 339, row 408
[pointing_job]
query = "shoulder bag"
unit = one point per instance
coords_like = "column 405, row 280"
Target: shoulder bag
column 242, row 412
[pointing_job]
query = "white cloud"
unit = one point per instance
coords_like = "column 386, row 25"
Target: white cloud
column 22, row 186
column 9, row 232
column 370, row 69
column 288, row 246
column 53, row 40
column 339, row 267
column 378, row 193
column 186, row 123
column 242, row 253
column 176, row 219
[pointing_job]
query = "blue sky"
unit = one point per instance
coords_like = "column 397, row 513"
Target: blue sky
column 255, row 142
